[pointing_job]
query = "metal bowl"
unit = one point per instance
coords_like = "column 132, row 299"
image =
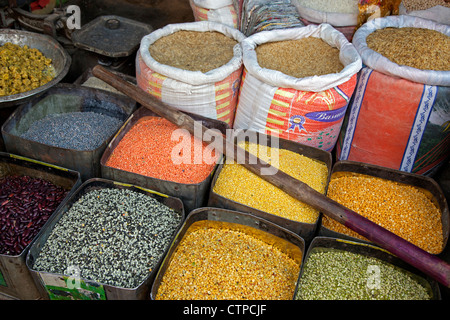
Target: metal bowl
column 49, row 47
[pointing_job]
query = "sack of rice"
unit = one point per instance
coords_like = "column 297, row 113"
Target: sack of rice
column 436, row 10
column 341, row 14
column 400, row 113
column 195, row 67
column 222, row 11
column 297, row 83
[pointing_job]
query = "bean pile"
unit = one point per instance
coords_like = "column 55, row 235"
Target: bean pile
column 343, row 275
column 26, row 203
column 193, row 50
column 399, row 208
column 237, row 183
column 220, row 263
column 300, row 58
column 148, row 149
column 411, row 47
column 114, row 236
column 73, row 130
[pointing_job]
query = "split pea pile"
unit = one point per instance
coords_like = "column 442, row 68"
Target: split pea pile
column 221, row 263
column 399, row 208
column 148, row 149
column 300, row 58
column 115, row 237
column 343, row 275
column 193, row 50
column 237, row 183
column 418, row 48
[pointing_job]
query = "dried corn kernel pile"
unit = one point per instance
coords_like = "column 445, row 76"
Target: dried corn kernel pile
column 22, row 69
column 221, row 263
column 399, row 208
column 237, row 183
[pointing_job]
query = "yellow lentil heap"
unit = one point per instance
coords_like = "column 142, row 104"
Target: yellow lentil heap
column 221, row 263
column 237, row 183
column 399, row 208
column 300, row 58
column 418, row 48
column 22, row 69
column 193, row 50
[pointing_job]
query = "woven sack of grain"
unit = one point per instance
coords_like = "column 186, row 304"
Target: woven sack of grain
column 341, row 14
column 309, row 109
column 222, row 11
column 212, row 94
column 437, row 10
column 399, row 115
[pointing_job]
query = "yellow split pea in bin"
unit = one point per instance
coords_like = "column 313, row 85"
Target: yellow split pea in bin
column 237, row 188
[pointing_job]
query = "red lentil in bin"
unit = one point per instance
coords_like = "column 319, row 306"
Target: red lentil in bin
column 147, row 150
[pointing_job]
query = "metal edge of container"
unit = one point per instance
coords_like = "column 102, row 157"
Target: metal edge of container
column 111, row 292
column 192, row 195
column 21, row 284
column 369, row 250
column 84, row 161
column 306, row 230
column 229, row 216
column 425, row 183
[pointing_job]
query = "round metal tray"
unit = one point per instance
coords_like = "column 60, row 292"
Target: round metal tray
column 49, row 47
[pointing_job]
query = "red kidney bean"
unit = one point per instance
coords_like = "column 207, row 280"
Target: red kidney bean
column 26, row 203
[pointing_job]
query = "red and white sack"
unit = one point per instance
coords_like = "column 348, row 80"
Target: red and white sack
column 212, row 94
column 399, row 117
column 222, row 11
column 308, row 110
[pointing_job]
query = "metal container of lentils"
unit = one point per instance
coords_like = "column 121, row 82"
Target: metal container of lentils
column 105, row 243
column 236, row 188
column 224, row 254
column 30, row 193
column 410, row 205
column 337, row 269
column 139, row 152
column 68, row 125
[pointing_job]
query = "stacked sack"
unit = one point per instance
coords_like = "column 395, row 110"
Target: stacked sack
column 399, row 115
column 307, row 110
column 212, row 94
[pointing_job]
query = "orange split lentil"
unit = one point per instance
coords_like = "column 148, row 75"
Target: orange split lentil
column 237, row 183
column 147, row 148
column 221, row 263
column 400, row 208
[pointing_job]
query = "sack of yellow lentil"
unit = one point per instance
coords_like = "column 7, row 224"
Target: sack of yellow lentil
column 222, row 11
column 198, row 67
column 306, row 108
column 399, row 115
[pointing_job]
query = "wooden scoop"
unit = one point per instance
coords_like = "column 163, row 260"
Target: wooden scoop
column 415, row 256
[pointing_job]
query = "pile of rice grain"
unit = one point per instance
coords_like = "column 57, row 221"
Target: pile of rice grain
column 193, row 50
column 300, row 58
column 419, row 48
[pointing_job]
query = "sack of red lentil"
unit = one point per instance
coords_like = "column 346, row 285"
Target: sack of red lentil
column 195, row 67
column 304, row 108
column 436, row 10
column 341, row 14
column 222, row 11
column 400, row 112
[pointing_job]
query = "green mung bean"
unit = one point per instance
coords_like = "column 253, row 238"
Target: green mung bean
column 114, row 236
column 344, row 275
